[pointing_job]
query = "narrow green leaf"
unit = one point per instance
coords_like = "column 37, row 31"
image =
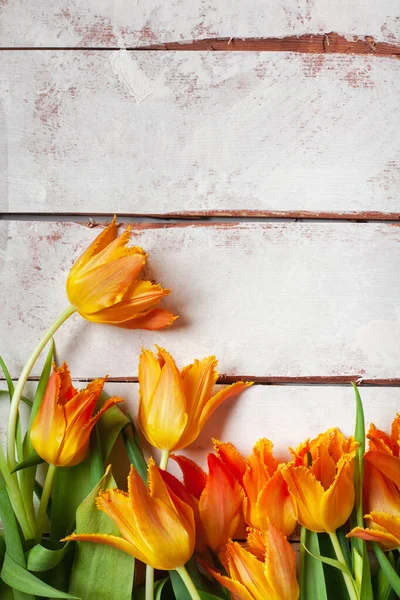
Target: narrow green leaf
column 31, row 461
column 6, row 593
column 100, row 572
column 180, row 589
column 5, row 394
column 96, row 458
column 135, row 455
column 40, row 558
column 381, row 586
column 10, row 386
column 312, row 583
column 20, row 579
column 110, row 426
column 140, row 594
column 334, row 580
column 387, row 568
column 207, row 596
column 332, row 562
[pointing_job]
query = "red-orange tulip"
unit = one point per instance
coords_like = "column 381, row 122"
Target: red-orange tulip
column 103, row 286
column 156, row 526
column 320, row 481
column 60, row 432
column 267, row 574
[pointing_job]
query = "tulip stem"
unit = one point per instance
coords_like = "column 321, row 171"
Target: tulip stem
column 164, row 459
column 189, row 583
column 149, row 583
column 349, row 581
column 15, row 497
column 19, row 388
column 44, row 500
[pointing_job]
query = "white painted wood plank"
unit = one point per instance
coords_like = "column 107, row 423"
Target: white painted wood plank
column 275, row 299
column 156, row 133
column 285, row 414
column 116, row 23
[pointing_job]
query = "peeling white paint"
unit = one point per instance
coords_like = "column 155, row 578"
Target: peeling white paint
column 126, row 68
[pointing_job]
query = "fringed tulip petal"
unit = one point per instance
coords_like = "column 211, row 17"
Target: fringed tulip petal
column 231, row 458
column 108, row 540
column 152, row 320
column 103, row 240
column 380, row 493
column 307, row 494
column 386, row 521
column 386, row 539
column 220, row 505
column 245, row 568
column 388, row 464
column 275, row 504
column 280, row 564
column 338, row 501
column 237, row 589
column 194, row 477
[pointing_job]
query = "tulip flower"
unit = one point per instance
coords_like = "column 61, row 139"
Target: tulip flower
column 271, row 576
column 156, row 526
column 219, row 499
column 174, row 405
column 103, row 286
column 60, row 432
column 381, row 489
column 320, row 481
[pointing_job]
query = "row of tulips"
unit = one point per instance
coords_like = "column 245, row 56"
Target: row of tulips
column 91, row 539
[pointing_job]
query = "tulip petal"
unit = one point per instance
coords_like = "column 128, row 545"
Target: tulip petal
column 324, row 468
column 280, row 564
column 379, row 440
column 163, row 418
column 307, row 494
column 178, row 489
column 155, row 319
column 220, row 504
column 194, row 477
column 245, row 568
column 149, row 374
column 198, row 380
column 395, row 435
column 109, row 540
column 231, row 458
column 338, row 501
column 101, row 241
column 115, row 250
column 159, row 488
column 261, row 465
column 275, row 504
column 387, row 521
column 386, row 463
column 67, row 390
column 381, row 494
column 256, row 543
column 236, row 588
column 388, row 541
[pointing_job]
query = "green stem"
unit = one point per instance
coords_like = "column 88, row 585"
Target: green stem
column 44, row 500
column 149, row 583
column 188, row 582
column 164, row 459
column 349, row 581
column 15, row 497
column 303, row 546
column 19, row 388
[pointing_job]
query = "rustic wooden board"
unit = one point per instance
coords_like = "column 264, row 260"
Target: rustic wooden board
column 284, row 300
column 285, row 414
column 198, row 133
column 117, row 23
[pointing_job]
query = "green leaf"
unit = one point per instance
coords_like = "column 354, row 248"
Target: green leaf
column 387, row 568
column 5, row 394
column 100, row 572
column 180, row 589
column 96, row 459
column 312, row 577
column 20, row 579
column 31, row 461
column 140, row 594
column 135, row 453
column 40, row 558
column 382, row 588
column 335, row 584
column 332, row 562
column 207, row 596
column 10, row 386
column 110, row 426
column 42, row 384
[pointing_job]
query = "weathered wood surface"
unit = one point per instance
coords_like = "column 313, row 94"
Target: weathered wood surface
column 274, row 299
column 117, row 23
column 285, row 414
column 198, row 133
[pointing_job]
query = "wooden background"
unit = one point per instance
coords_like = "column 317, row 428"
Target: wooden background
column 255, row 147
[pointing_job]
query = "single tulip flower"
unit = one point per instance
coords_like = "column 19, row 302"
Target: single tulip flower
column 320, row 481
column 268, row 575
column 156, row 526
column 219, row 499
column 103, row 286
column 60, row 432
column 174, row 405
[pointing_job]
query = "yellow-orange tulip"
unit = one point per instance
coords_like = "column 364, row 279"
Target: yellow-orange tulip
column 219, row 499
column 156, row 526
column 174, row 405
column 381, row 488
column 271, row 576
column 61, row 430
column 320, row 481
column 103, row 287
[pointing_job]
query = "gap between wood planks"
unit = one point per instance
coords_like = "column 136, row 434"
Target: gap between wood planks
column 329, row 43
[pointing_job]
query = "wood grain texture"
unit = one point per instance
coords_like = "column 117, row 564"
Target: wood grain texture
column 117, row 23
column 199, row 133
column 285, row 414
column 270, row 300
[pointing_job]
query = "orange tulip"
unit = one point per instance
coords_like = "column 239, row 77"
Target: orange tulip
column 269, row 574
column 103, row 287
column 320, row 481
column 156, row 526
column 60, row 432
column 266, row 492
column 219, row 499
column 381, row 488
column 173, row 405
